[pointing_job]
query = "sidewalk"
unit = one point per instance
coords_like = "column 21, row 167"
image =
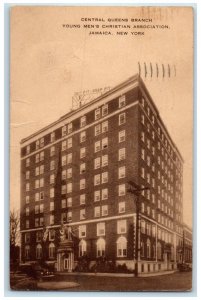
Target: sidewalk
column 117, row 274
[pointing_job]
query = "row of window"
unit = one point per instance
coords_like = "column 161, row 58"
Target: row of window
column 151, row 117
column 67, row 129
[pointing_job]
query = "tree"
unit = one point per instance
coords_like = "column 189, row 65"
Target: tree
column 14, row 235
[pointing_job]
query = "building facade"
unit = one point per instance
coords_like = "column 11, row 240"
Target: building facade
column 74, row 185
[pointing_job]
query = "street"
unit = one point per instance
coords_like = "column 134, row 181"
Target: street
column 180, row 281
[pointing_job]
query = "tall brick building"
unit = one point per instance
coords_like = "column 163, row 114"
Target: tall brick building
column 74, row 185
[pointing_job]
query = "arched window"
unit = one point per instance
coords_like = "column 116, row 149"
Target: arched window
column 38, row 251
column 159, row 250
column 100, row 247
column 82, row 247
column 142, row 249
column 51, row 250
column 27, row 252
column 148, row 248
column 121, row 247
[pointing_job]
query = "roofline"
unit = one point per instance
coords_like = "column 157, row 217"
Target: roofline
column 69, row 114
column 131, row 79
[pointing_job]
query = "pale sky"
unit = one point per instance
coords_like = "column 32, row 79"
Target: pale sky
column 50, row 63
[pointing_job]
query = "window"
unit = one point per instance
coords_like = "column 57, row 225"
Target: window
column 122, row 153
column 104, row 177
column 63, row 203
column 27, row 187
column 97, row 129
column 27, row 237
column 41, row 182
column 104, row 160
column 51, row 205
column 27, row 211
column 105, row 126
column 142, row 207
column 51, row 219
column 104, row 194
column 82, row 136
column 63, row 145
column 51, row 235
column 41, row 221
column 104, row 143
column 97, row 146
column 52, row 165
column 148, row 160
column 63, row 130
column 121, row 207
column 69, row 202
column 82, row 184
column 82, row 152
column 101, row 229
column 142, row 119
column 122, row 136
column 148, row 248
column 97, row 163
column 28, row 162
column 142, row 136
column 97, row 113
column 122, row 172
column 121, row 226
column 82, row 168
column 36, row 222
column 83, row 121
column 122, row 189
column 37, row 182
column 27, row 252
column 97, row 211
column 37, row 144
column 52, row 179
column 122, row 118
column 159, row 250
column 42, row 142
column 42, row 156
column 82, row 231
column 70, row 127
column 69, row 173
column 142, row 154
column 38, row 251
column 121, row 247
column 100, row 247
column 142, row 223
column 37, row 158
column 82, row 199
column 122, row 101
column 51, row 250
column 27, row 199
column 148, row 144
column 82, row 248
column 63, row 189
column 97, row 179
column 69, row 187
column 97, row 196
column 142, row 173
column 104, row 210
column 104, row 110
column 52, row 193
column 41, row 208
column 41, row 169
column 27, row 175
column 36, row 196
column 69, row 142
column 52, row 137
column 39, row 236
column 69, row 158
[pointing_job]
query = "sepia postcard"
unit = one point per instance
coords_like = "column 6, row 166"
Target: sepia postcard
column 101, row 138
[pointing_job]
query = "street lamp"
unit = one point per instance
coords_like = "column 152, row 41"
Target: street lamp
column 136, row 189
